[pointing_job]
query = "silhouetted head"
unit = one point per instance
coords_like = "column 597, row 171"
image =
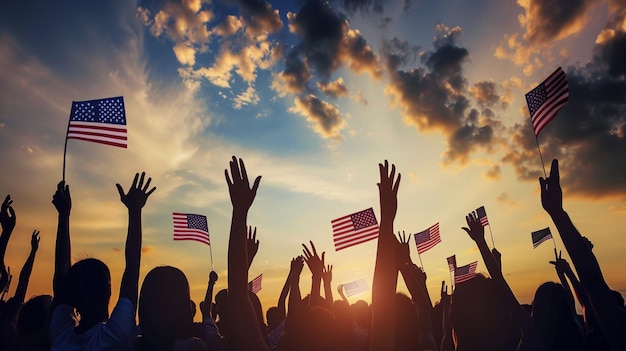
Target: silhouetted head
column 362, row 314
column 164, row 305
column 478, row 317
column 274, row 318
column 89, row 284
column 34, row 314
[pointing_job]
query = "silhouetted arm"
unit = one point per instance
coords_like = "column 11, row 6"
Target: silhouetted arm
column 561, row 265
column 316, row 266
column 294, row 289
column 327, row 278
column 446, row 341
column 63, row 203
column 415, row 281
column 477, row 233
column 22, row 285
column 206, row 306
column 611, row 317
column 134, row 201
column 246, row 327
column 7, row 220
column 385, row 273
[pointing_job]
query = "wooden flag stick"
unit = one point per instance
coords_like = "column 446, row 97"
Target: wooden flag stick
column 540, row 157
column 65, row 147
column 420, row 257
column 490, row 233
column 211, row 252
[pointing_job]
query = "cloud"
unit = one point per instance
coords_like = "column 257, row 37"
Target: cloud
column 184, row 21
column 485, row 93
column 259, row 17
column 325, row 118
column 334, row 89
column 248, row 97
column 611, row 46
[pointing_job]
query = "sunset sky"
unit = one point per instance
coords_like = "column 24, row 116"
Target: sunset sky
column 313, row 95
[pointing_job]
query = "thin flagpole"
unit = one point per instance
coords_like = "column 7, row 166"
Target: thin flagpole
column 538, row 148
column 490, row 233
column 66, row 134
column 451, row 281
column 211, row 252
column 420, row 257
column 553, row 241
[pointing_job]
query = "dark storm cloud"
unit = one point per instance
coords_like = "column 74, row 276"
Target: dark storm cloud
column 258, row 16
column 436, row 98
column 352, row 6
column 323, row 117
column 611, row 46
column 547, row 20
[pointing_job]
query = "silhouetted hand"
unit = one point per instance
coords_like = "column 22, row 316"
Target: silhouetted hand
column 62, row 199
column 313, row 261
column 241, row 195
column 476, row 231
column 34, row 241
column 137, row 194
column 252, row 245
column 297, row 263
column 213, row 277
column 589, row 243
column 403, row 253
column 560, row 264
column 388, row 190
column 445, row 298
column 7, row 215
column 551, row 193
column 327, row 274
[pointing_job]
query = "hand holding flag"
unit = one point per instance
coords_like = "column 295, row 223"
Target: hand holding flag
column 474, row 228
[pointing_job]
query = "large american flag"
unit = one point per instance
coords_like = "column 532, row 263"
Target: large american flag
column 465, row 273
column 255, row 284
column 482, row 215
column 354, row 229
column 100, row 121
column 355, row 287
column 427, row 239
column 189, row 226
column 545, row 101
column 540, row 236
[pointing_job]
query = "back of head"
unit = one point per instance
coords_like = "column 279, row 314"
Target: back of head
column 274, row 318
column 89, row 284
column 362, row 314
column 478, row 317
column 164, row 305
column 34, row 314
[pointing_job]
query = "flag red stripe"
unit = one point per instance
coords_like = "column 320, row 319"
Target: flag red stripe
column 343, row 236
column 106, row 142
column 352, row 243
column 202, row 240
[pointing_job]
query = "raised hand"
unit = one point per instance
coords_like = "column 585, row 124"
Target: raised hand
column 445, row 297
column 474, row 229
column 403, row 253
column 34, row 241
column 313, row 261
column 327, row 274
column 241, row 194
column 252, row 244
column 388, row 190
column 7, row 215
column 61, row 199
column 138, row 192
column 551, row 193
column 297, row 263
column 560, row 264
column 213, row 277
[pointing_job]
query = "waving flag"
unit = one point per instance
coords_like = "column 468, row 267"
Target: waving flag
column 355, row 287
column 465, row 273
column 540, row 236
column 427, row 239
column 255, row 284
column 100, row 121
column 191, row 227
column 545, row 101
column 354, row 229
column 482, row 215
column 452, row 263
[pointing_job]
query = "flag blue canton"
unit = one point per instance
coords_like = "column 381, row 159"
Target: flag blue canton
column 197, row 222
column 109, row 110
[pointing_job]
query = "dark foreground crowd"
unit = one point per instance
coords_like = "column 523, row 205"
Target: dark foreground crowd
column 482, row 314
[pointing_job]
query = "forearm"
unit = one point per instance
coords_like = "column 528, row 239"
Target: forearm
column 383, row 291
column 316, row 284
column 62, row 260
column 4, row 241
column 130, row 278
column 568, row 291
column 22, row 285
column 294, row 296
column 282, row 299
column 208, row 301
column 328, row 295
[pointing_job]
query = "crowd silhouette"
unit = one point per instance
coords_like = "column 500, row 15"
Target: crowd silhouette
column 480, row 314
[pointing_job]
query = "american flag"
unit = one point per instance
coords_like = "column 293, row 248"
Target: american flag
column 255, row 284
column 427, row 239
column 100, row 121
column 355, row 287
column 482, row 215
column 465, row 273
column 545, row 101
column 354, row 229
column 191, row 227
column 452, row 263
column 540, row 236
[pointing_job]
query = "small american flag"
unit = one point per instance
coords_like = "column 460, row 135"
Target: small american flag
column 482, row 215
column 100, row 121
column 191, row 227
column 255, row 284
column 545, row 101
column 427, row 239
column 465, row 273
column 452, row 263
column 540, row 236
column 355, row 287
column 354, row 229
